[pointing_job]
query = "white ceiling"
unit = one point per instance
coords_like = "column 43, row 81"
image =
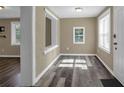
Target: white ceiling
column 10, row 12
column 69, row 11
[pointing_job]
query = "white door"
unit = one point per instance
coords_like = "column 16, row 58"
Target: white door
column 118, row 43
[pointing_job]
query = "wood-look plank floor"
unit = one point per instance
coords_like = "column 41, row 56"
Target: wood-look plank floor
column 75, row 71
column 9, row 72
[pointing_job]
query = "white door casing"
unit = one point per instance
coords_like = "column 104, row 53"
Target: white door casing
column 118, row 66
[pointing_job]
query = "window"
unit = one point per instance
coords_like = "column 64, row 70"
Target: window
column 51, row 29
column 78, row 35
column 15, row 33
column 51, row 32
column 48, row 32
column 104, row 31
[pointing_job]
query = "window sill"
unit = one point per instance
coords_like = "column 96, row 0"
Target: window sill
column 108, row 52
column 49, row 49
column 15, row 44
column 78, row 42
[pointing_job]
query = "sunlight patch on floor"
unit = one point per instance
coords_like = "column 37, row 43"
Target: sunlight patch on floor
column 68, row 61
column 65, row 65
column 80, row 61
column 82, row 66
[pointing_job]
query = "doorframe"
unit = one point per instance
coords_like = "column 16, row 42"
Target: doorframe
column 114, row 52
column 27, row 48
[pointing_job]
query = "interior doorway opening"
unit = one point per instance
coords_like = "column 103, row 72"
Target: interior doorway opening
column 10, row 42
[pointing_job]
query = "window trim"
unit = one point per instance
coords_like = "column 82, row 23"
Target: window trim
column 82, row 35
column 49, row 49
column 13, row 36
column 54, row 20
column 108, row 11
column 55, row 44
column 50, row 13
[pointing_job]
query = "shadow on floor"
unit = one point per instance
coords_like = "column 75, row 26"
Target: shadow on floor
column 111, row 83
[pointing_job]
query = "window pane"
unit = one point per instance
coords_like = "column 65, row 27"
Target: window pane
column 104, row 32
column 78, row 31
column 106, row 42
column 16, row 33
column 79, row 35
column 17, row 27
column 78, row 38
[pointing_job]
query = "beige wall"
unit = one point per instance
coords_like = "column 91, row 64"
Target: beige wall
column 107, row 58
column 66, row 40
column 66, row 35
column 5, row 43
column 42, row 61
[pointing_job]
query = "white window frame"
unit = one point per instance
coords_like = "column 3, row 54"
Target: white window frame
column 83, row 42
column 13, row 34
column 54, row 21
column 108, row 11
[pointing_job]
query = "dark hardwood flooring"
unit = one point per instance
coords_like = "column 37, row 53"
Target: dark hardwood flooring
column 75, row 71
column 67, row 71
column 9, row 72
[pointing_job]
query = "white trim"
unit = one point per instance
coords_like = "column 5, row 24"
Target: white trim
column 103, row 49
column 33, row 46
column 46, row 69
column 109, row 69
column 83, row 42
column 118, row 78
column 105, row 65
column 51, row 14
column 54, row 31
column 105, row 13
column 77, row 54
column 49, row 49
column 9, row 55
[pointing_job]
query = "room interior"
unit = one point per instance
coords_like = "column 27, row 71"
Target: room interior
column 69, row 46
column 9, row 46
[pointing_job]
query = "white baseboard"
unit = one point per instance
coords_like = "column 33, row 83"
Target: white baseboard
column 77, row 54
column 109, row 70
column 119, row 80
column 9, row 55
column 46, row 69
column 105, row 65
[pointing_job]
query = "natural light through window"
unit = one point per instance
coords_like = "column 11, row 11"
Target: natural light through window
column 104, row 31
column 15, row 33
column 78, row 35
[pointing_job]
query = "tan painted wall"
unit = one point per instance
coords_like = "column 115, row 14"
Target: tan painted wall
column 107, row 58
column 5, row 43
column 66, row 35
column 42, row 61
